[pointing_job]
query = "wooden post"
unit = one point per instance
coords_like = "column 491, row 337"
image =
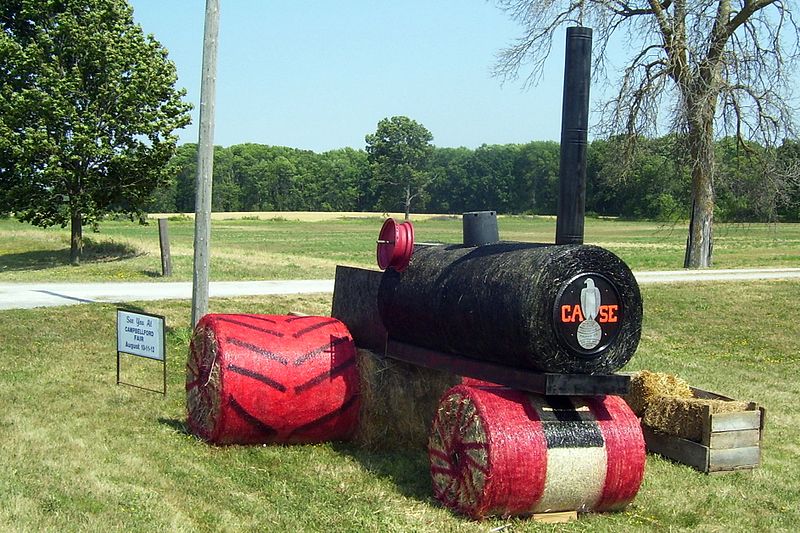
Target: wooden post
column 205, row 163
column 163, row 241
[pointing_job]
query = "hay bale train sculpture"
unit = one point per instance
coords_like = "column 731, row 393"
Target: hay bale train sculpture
column 498, row 357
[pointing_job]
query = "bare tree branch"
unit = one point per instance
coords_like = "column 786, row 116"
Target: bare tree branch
column 712, row 66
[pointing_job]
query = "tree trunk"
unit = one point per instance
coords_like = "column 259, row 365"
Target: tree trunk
column 408, row 202
column 76, row 243
column 700, row 242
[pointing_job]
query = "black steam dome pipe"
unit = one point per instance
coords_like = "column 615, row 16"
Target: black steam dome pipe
column 480, row 227
column 574, row 133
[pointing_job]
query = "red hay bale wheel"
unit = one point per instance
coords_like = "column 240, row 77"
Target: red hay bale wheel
column 271, row 379
column 500, row 452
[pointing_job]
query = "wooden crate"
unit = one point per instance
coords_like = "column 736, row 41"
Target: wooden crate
column 729, row 441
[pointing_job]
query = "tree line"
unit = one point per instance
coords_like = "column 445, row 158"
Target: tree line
column 89, row 111
column 653, row 183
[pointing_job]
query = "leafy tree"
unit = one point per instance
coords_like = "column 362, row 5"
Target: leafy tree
column 744, row 192
column 450, row 191
column 227, row 192
column 510, row 178
column 342, row 176
column 399, row 153
column 493, row 177
column 88, row 107
column 788, row 164
column 183, row 169
column 537, row 171
column 713, row 64
column 653, row 184
column 251, row 162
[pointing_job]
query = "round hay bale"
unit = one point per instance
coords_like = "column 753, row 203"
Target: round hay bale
column 646, row 386
column 271, row 379
column 501, row 452
column 475, row 382
column 567, row 309
column 398, row 402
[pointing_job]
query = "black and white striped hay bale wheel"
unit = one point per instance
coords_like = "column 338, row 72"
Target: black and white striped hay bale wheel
column 271, row 379
column 495, row 451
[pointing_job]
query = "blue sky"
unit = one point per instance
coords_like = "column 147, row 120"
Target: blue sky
column 320, row 74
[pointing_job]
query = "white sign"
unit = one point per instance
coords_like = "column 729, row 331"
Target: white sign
column 140, row 334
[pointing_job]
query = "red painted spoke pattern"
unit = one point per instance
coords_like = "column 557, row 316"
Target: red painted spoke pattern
column 258, row 377
column 328, row 417
column 251, row 419
column 325, row 376
column 259, row 318
column 328, row 347
column 313, row 327
column 274, row 379
column 252, row 326
column 458, row 456
column 259, row 350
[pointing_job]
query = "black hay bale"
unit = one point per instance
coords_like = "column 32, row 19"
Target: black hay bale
column 566, row 309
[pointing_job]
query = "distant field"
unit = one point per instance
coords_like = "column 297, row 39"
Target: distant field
column 281, row 246
column 78, row 453
column 302, row 216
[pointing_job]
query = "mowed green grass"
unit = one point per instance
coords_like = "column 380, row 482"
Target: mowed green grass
column 78, row 453
column 279, row 248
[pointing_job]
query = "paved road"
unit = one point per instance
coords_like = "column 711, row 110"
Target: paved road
column 28, row 295
column 674, row 276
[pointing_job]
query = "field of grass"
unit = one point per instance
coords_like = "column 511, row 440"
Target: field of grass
column 78, row 452
column 284, row 246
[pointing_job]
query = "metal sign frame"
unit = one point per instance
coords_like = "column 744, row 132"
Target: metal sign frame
column 163, row 359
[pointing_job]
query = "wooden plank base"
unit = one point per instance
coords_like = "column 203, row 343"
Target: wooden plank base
column 555, row 518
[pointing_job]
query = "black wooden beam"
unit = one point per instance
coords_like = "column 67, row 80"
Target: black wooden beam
column 517, row 378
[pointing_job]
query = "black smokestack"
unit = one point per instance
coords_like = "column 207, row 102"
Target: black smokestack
column 574, row 133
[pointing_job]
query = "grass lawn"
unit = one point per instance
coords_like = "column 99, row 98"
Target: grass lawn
column 277, row 247
column 78, row 452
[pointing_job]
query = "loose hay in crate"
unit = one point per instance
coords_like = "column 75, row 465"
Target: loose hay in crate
column 685, row 417
column 709, row 432
column 271, row 379
column 501, row 452
column 398, row 402
column 646, row 385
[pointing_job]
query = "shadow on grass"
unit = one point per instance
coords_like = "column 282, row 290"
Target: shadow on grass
column 182, row 333
column 129, row 307
column 179, row 426
column 39, row 260
column 93, row 252
column 408, row 470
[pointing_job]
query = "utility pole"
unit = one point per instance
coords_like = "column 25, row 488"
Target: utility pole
column 205, row 163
